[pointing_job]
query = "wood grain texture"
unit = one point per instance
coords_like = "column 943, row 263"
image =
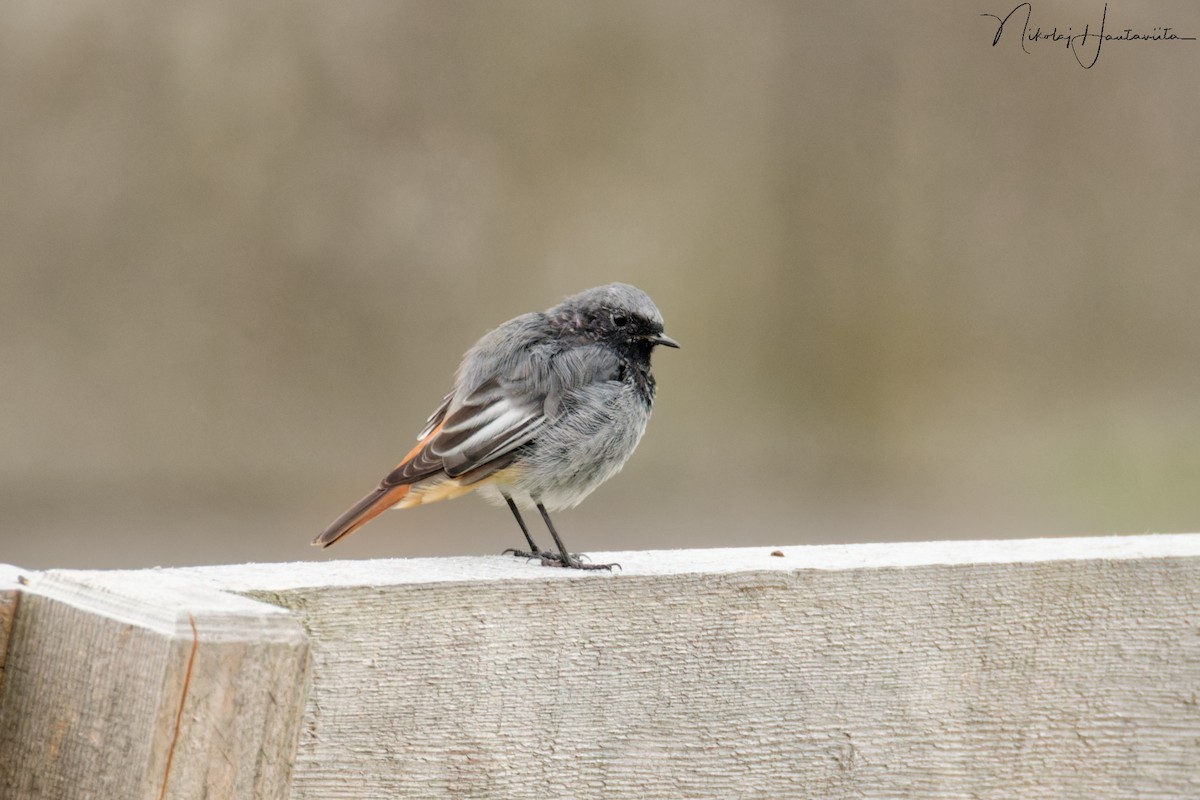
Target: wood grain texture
column 10, row 596
column 148, row 687
column 1064, row 668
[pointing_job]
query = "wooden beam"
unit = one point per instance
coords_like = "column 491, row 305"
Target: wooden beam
column 1062, row 668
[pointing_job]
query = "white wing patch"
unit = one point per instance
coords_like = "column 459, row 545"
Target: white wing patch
column 474, row 435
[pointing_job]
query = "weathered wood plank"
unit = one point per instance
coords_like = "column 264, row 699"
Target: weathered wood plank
column 1066, row 668
column 148, row 686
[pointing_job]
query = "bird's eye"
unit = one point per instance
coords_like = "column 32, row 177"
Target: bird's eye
column 620, row 320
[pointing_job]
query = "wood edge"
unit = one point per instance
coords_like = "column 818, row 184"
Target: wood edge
column 170, row 603
column 261, row 580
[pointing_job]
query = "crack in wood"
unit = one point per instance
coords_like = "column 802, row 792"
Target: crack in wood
column 187, row 679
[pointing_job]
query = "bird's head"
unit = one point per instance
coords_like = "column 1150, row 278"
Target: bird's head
column 618, row 314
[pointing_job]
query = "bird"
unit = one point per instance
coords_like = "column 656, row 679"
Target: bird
column 544, row 409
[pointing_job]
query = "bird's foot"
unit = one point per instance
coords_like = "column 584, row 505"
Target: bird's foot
column 549, row 559
column 543, row 555
column 576, row 561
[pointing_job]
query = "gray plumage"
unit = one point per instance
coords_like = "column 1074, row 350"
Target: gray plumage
column 544, row 409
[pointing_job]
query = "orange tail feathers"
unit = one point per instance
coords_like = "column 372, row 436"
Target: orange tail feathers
column 384, row 497
column 361, row 513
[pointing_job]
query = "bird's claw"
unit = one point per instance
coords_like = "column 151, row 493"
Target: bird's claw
column 549, row 559
column 525, row 554
column 576, row 561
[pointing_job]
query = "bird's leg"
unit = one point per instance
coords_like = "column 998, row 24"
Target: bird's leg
column 565, row 559
column 534, row 551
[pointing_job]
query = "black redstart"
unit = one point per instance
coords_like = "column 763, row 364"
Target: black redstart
column 544, row 409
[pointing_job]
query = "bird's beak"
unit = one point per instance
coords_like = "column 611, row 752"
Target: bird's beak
column 662, row 338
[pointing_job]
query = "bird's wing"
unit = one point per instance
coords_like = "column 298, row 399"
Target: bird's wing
column 436, row 417
column 490, row 422
column 473, row 431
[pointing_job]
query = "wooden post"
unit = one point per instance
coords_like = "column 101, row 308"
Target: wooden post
column 147, row 687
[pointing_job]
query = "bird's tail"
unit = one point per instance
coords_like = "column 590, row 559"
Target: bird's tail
column 362, row 512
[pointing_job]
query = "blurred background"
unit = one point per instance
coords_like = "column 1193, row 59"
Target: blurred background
column 926, row 287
